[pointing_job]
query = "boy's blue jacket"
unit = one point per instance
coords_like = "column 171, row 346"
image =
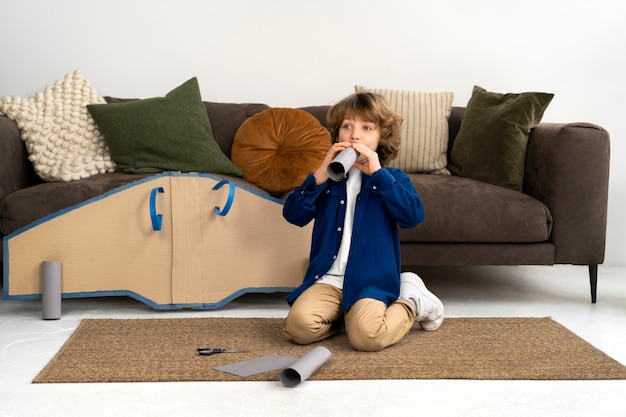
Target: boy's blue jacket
column 387, row 200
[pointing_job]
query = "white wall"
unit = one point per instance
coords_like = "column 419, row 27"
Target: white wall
column 297, row 53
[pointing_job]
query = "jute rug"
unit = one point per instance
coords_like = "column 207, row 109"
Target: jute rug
column 151, row 350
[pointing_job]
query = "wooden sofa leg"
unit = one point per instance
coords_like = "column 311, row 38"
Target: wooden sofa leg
column 593, row 280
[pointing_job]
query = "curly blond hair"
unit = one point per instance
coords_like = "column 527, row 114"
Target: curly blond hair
column 371, row 107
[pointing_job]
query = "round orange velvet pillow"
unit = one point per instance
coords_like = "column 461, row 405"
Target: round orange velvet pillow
column 276, row 148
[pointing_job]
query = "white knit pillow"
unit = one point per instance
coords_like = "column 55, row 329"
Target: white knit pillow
column 62, row 139
column 424, row 136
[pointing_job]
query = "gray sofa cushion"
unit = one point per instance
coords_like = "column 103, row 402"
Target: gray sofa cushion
column 464, row 210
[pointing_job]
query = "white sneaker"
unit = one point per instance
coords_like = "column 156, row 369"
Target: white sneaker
column 429, row 308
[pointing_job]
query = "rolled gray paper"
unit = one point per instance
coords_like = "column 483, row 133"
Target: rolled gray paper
column 341, row 164
column 51, row 290
column 304, row 367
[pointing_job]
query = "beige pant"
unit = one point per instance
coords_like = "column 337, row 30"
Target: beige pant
column 369, row 324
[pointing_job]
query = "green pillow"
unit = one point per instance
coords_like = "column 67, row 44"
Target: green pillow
column 171, row 133
column 492, row 140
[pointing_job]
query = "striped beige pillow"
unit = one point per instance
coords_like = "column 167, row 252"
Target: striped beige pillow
column 424, row 137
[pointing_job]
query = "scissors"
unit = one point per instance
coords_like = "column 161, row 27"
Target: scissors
column 207, row 351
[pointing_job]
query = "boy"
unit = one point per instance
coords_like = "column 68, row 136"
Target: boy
column 354, row 271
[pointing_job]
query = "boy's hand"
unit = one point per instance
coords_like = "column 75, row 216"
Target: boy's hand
column 367, row 161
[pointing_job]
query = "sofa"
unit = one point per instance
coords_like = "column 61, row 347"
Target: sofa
column 558, row 216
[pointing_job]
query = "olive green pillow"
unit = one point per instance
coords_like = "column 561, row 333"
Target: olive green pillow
column 171, row 133
column 492, row 140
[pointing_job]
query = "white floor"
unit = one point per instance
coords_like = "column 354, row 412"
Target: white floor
column 561, row 292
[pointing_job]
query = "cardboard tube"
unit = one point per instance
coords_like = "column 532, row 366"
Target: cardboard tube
column 51, row 290
column 342, row 163
column 304, row 367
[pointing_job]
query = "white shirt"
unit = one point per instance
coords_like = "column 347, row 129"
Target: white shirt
column 335, row 275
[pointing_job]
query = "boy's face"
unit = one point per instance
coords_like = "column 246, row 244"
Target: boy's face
column 356, row 130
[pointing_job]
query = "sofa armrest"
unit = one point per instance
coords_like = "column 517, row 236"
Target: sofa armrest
column 567, row 168
column 16, row 171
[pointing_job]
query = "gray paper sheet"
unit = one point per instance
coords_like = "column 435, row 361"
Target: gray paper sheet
column 257, row 365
